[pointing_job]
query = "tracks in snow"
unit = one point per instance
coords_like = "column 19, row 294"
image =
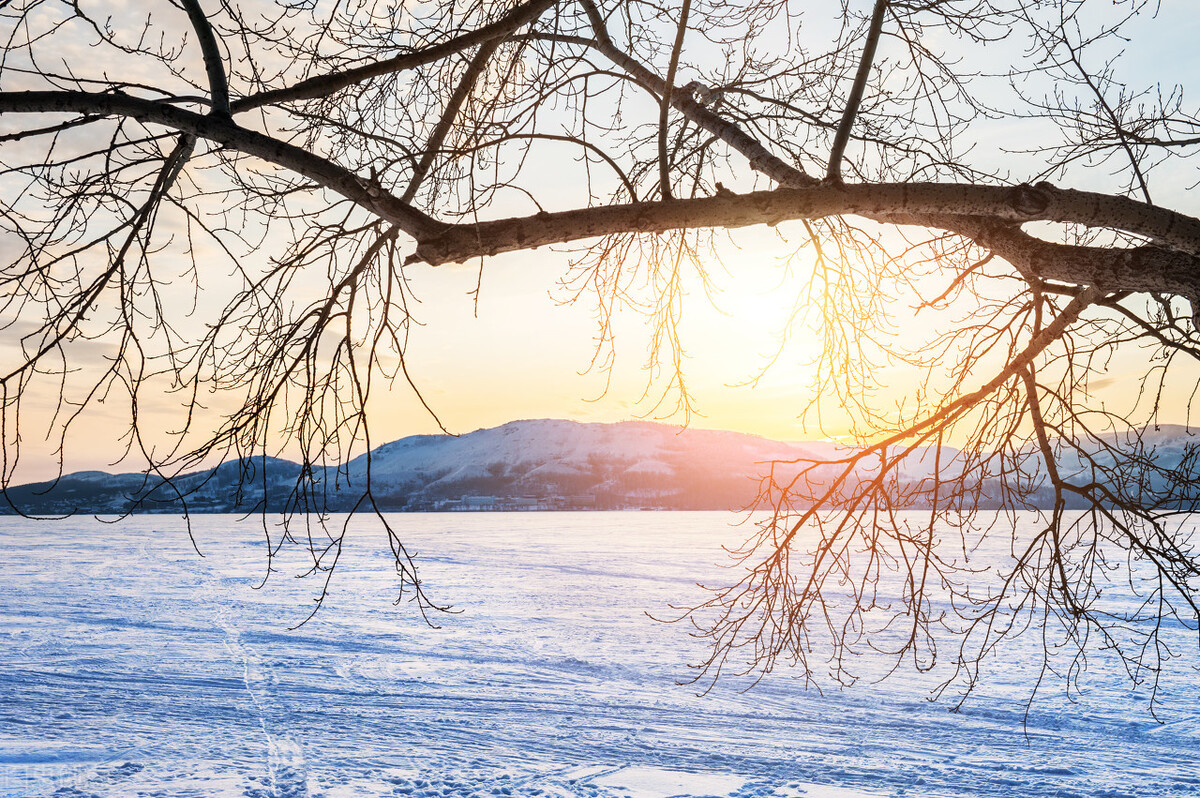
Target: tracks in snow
column 286, row 763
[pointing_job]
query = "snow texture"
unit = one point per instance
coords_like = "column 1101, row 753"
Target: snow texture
column 132, row 667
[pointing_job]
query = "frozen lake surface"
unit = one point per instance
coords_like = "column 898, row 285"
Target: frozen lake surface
column 132, row 667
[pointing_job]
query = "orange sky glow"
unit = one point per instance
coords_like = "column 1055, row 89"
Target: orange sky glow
column 520, row 353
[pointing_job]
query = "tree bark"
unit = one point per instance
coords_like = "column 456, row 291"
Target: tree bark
column 990, row 215
column 228, row 134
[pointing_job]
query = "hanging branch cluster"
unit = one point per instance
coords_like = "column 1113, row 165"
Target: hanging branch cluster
column 226, row 202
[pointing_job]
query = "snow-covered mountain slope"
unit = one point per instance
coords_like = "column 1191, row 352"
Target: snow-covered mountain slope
column 521, row 443
column 238, row 486
column 539, row 464
column 566, row 463
column 556, row 464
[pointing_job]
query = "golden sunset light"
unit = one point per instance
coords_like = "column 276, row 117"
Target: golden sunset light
column 599, row 398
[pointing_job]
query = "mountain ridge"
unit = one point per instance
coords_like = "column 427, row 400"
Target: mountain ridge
column 528, row 464
column 532, row 464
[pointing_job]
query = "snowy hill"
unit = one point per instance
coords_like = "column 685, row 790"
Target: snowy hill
column 558, row 464
column 553, row 464
column 541, row 464
column 237, row 486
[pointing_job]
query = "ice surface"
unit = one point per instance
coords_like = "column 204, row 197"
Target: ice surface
column 130, row 666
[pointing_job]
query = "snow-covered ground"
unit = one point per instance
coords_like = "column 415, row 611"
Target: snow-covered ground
column 132, row 667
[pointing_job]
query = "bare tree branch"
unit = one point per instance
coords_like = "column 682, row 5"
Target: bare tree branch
column 214, row 63
column 854, row 100
column 325, row 85
column 262, row 272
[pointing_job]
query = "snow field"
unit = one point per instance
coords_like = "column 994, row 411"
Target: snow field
column 133, row 667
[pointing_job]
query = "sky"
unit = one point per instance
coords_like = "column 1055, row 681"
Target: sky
column 524, row 353
column 520, row 352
